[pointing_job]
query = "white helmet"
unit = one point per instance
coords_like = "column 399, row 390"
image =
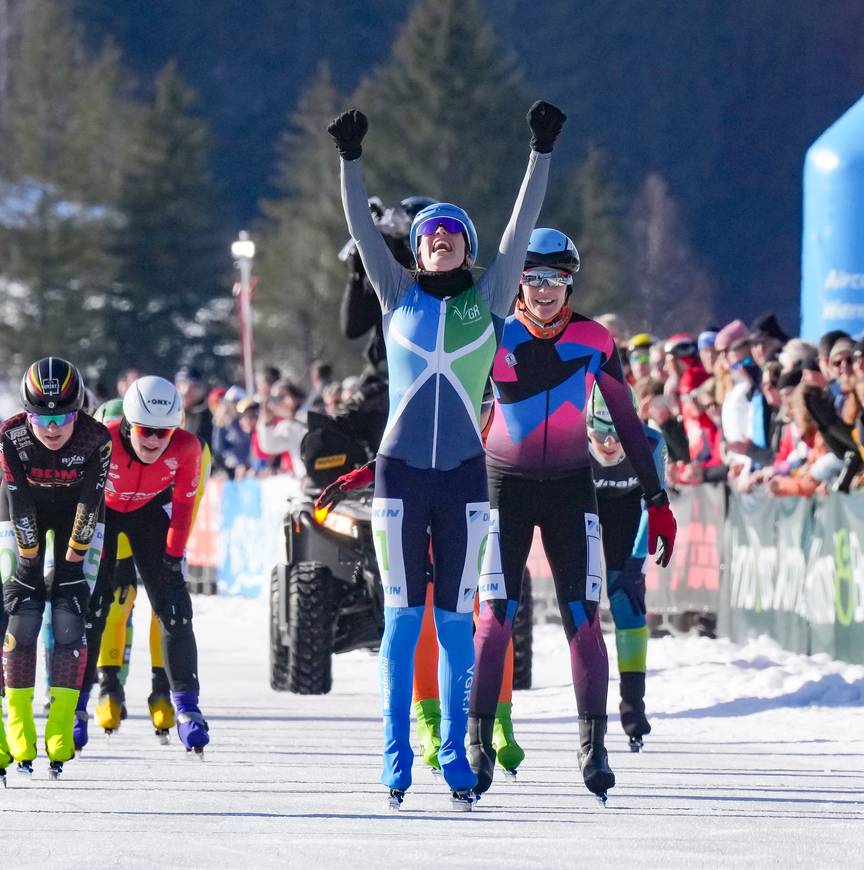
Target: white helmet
column 153, row 401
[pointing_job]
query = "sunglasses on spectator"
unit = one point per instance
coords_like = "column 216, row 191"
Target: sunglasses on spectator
column 539, row 277
column 841, row 362
column 640, row 358
column 150, row 432
column 43, row 421
column 449, row 225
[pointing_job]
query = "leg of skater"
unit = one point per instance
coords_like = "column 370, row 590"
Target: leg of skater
column 460, row 532
column 427, row 701
column 571, row 539
column 511, row 531
column 400, row 518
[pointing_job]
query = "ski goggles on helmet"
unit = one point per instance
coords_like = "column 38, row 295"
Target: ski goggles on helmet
column 552, row 277
column 149, row 431
column 449, row 225
column 43, row 421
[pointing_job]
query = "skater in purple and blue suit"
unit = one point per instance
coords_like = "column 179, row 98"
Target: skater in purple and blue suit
column 539, row 473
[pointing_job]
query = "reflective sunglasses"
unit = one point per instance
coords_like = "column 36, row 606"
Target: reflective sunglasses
column 449, row 225
column 537, row 278
column 603, row 437
column 43, row 421
column 640, row 358
column 149, row 431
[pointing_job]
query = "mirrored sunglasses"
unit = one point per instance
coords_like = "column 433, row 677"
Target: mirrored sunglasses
column 551, row 277
column 602, row 436
column 149, row 431
column 45, row 420
column 643, row 358
column 449, row 225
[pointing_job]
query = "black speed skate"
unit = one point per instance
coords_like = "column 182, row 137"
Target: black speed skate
column 3, row 776
column 55, row 769
column 463, row 800
column 632, row 709
column 481, row 753
column 593, row 758
column 25, row 768
column 397, row 796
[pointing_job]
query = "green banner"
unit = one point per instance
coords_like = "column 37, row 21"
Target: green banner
column 794, row 570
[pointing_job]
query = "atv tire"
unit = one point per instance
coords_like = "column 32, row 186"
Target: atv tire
column 311, row 622
column 280, row 655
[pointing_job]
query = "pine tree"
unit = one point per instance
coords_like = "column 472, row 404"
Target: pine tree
column 302, row 279
column 587, row 206
column 170, row 298
column 446, row 116
column 671, row 293
column 66, row 125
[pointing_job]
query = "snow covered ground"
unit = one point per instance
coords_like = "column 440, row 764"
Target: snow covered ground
column 756, row 760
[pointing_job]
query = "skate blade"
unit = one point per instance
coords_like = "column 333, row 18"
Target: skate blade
column 24, row 768
column 601, row 798
column 436, row 773
column 3, row 777
column 55, row 774
column 510, row 775
column 462, row 802
column 636, row 744
column 196, row 753
column 394, row 802
column 163, row 736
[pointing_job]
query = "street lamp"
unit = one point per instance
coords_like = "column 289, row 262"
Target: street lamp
column 243, row 252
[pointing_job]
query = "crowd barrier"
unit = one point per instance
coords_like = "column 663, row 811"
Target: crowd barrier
column 792, row 568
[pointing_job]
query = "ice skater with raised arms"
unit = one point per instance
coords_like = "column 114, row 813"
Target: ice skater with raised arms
column 439, row 327
column 539, row 471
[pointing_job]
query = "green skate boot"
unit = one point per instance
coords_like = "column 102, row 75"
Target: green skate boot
column 428, row 714
column 509, row 753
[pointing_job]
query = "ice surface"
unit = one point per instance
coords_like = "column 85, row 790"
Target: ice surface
column 756, row 760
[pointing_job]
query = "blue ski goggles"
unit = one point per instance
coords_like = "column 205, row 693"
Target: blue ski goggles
column 552, row 277
column 43, row 421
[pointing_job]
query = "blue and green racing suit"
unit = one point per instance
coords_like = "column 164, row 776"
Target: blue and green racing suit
column 430, row 479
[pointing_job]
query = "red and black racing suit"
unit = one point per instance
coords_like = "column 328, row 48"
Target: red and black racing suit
column 154, row 506
column 44, row 489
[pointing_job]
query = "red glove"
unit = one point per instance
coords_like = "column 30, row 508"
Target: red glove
column 359, row 478
column 662, row 525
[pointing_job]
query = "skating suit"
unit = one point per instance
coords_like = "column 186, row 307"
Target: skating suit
column 153, row 505
column 540, row 475
column 430, row 477
column 624, row 523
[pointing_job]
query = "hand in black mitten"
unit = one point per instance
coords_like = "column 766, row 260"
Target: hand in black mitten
column 545, row 121
column 348, row 130
column 172, row 571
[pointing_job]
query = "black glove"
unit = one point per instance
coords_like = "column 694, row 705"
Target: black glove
column 545, row 121
column 172, row 571
column 348, row 130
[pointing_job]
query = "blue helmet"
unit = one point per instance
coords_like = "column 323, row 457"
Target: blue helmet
column 446, row 210
column 552, row 249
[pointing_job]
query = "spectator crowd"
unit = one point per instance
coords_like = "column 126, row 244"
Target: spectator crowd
column 752, row 406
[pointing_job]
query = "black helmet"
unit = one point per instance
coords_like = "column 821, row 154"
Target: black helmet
column 412, row 204
column 551, row 249
column 52, row 386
